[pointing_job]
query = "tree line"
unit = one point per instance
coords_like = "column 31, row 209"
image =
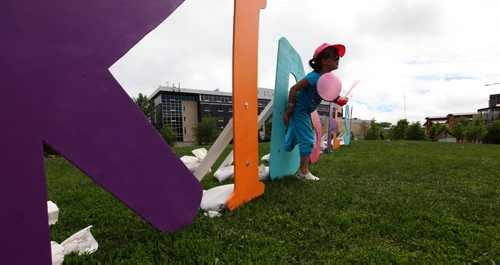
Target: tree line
column 475, row 131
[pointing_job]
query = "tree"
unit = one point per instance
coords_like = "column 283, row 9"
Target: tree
column 460, row 120
column 415, row 132
column 435, row 130
column 390, row 133
column 399, row 132
column 168, row 134
column 373, row 133
column 206, row 132
column 384, row 124
column 471, row 133
column 476, row 131
column 431, row 133
column 493, row 135
column 145, row 105
column 459, row 131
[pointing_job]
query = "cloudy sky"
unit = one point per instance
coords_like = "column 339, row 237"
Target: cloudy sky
column 437, row 56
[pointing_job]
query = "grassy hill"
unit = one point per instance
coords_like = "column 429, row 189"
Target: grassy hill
column 376, row 202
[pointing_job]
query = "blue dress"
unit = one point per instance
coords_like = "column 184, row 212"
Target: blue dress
column 300, row 130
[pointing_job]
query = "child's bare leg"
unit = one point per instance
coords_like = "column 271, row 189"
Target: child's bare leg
column 304, row 164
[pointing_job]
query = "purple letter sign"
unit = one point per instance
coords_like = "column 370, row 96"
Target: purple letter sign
column 56, row 88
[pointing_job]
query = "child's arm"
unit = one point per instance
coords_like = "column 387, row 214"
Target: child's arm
column 291, row 98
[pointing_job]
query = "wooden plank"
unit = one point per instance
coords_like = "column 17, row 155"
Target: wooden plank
column 215, row 151
column 263, row 116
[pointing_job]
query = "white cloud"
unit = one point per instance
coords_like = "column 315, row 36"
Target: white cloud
column 436, row 55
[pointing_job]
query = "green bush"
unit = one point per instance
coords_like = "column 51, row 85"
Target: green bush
column 399, row 131
column 206, row 132
column 415, row 132
column 374, row 132
column 168, row 134
column 459, row 131
column 435, row 130
column 476, row 131
column 493, row 135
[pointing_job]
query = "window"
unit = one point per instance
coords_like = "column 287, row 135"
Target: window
column 172, row 113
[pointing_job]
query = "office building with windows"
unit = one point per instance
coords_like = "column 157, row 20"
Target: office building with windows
column 492, row 112
column 183, row 108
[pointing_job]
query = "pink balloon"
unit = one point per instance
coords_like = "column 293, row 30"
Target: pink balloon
column 329, row 86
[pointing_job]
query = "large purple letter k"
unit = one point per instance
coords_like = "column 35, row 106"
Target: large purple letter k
column 56, row 88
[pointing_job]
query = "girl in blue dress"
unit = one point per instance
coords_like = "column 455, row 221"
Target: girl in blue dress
column 304, row 99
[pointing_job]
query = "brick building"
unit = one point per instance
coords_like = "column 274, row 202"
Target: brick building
column 488, row 115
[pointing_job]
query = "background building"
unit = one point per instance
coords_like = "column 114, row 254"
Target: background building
column 183, row 108
column 492, row 112
column 448, row 119
column 489, row 114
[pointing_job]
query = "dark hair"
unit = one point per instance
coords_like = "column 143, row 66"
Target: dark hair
column 315, row 63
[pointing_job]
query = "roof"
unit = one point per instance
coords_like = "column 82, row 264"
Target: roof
column 263, row 93
column 436, row 118
column 463, row 114
column 494, row 108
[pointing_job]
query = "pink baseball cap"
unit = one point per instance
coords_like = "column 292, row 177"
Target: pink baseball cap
column 340, row 49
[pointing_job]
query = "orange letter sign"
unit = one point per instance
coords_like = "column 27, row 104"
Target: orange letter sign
column 245, row 51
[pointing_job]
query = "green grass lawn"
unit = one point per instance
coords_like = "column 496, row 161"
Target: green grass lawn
column 376, row 202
